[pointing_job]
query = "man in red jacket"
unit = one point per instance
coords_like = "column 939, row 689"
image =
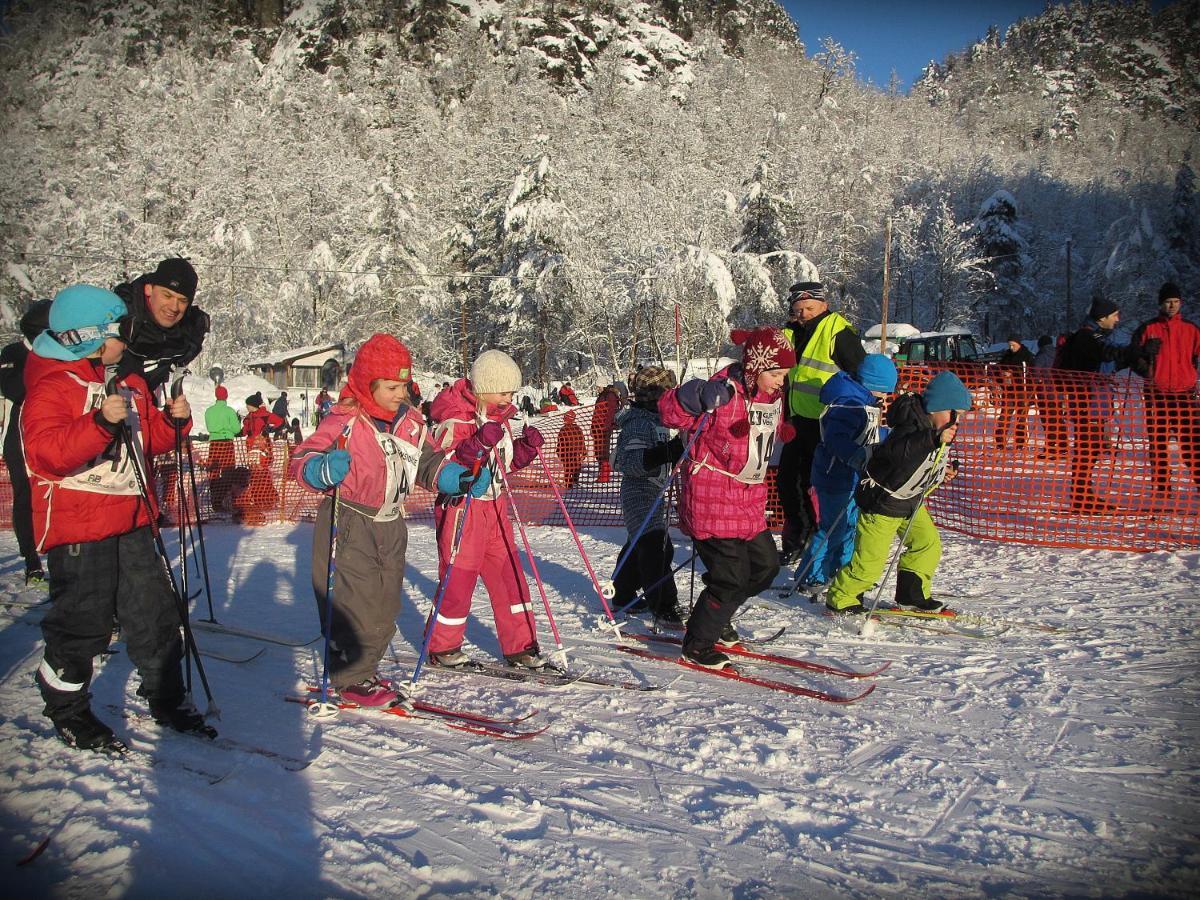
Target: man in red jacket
column 1171, row 346
column 92, row 517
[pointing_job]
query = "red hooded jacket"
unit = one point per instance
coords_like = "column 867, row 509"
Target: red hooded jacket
column 78, row 496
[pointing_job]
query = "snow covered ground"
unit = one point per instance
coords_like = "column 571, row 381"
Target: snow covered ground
column 1025, row 764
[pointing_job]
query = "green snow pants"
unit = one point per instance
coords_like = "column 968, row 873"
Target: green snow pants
column 873, row 546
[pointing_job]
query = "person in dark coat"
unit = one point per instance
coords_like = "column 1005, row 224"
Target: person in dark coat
column 12, row 384
column 1015, row 395
column 280, row 406
column 165, row 328
column 1048, row 397
column 1088, row 403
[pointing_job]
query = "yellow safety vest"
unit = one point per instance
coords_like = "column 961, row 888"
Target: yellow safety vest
column 814, row 367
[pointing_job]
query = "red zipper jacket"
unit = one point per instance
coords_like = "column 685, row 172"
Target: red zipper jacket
column 78, row 495
column 1173, row 369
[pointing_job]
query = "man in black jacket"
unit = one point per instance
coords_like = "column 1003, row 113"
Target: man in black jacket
column 1088, row 401
column 165, row 329
column 12, row 384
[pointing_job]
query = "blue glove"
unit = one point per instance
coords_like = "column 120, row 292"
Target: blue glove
column 327, row 470
column 455, row 480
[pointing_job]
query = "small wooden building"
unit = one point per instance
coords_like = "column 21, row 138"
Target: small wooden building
column 303, row 369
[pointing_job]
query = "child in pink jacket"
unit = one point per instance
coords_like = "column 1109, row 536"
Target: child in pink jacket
column 372, row 448
column 723, row 500
column 471, row 420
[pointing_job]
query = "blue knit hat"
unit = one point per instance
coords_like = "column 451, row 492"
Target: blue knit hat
column 82, row 316
column 945, row 391
column 877, row 373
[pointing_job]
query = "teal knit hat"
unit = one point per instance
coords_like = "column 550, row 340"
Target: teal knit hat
column 946, row 392
column 82, row 317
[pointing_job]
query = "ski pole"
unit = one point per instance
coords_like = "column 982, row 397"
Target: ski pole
column 560, row 652
column 182, row 440
column 189, row 639
column 443, row 583
column 802, row 567
column 700, row 426
column 662, row 580
column 323, row 709
column 868, row 627
column 199, row 531
column 575, row 534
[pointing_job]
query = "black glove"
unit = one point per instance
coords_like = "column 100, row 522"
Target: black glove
column 1151, row 347
column 666, row 453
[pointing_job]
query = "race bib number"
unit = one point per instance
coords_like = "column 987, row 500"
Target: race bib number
column 764, row 422
column 112, row 472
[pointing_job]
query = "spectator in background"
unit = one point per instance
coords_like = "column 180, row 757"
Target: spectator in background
column 1169, row 346
column 12, row 384
column 223, row 426
column 571, row 448
column 604, row 414
column 527, row 407
column 280, row 407
column 1088, row 401
column 1015, row 395
column 567, row 395
column 324, row 404
column 1048, row 397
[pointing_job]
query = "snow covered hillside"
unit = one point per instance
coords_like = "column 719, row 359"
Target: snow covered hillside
column 1016, row 762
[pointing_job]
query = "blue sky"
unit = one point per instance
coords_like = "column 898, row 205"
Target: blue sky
column 905, row 34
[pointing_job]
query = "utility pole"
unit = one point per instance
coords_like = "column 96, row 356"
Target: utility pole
column 887, row 283
column 1069, row 320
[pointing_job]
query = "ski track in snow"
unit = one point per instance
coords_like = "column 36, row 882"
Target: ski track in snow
column 1031, row 764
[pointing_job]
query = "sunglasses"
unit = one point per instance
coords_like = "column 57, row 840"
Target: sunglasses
column 73, row 337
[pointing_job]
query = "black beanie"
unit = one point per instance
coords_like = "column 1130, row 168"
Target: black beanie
column 1014, row 339
column 36, row 319
column 175, row 274
column 1102, row 307
column 1169, row 291
column 814, row 289
column 255, row 399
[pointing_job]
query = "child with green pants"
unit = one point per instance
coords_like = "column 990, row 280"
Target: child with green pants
column 907, row 466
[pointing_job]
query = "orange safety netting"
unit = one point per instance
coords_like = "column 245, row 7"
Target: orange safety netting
column 1047, row 457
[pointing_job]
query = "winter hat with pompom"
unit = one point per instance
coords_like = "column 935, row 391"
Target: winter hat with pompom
column 494, row 372
column 877, row 373
column 82, row 317
column 763, row 349
column 381, row 357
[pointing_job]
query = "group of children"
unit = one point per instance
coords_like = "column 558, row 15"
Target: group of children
column 89, row 434
column 871, row 484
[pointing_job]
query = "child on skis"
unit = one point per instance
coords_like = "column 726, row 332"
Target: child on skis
column 901, row 472
column 724, row 500
column 93, row 518
column 470, row 420
column 366, row 455
column 644, row 455
column 849, row 430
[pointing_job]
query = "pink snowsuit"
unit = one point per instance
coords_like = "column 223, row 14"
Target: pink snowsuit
column 487, row 547
column 714, row 502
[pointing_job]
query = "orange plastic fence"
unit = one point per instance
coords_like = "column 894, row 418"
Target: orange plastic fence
column 1047, row 457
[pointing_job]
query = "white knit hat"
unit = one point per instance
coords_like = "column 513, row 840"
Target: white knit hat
column 494, row 372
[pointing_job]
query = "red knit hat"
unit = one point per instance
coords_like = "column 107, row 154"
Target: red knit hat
column 382, row 356
column 221, row 393
column 762, row 349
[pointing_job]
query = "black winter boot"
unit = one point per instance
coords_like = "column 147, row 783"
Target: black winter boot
column 85, row 732
column 910, row 594
column 183, row 717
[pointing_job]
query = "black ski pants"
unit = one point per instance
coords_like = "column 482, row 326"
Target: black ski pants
column 92, row 584
column 22, row 510
column 794, row 478
column 647, row 565
column 737, row 570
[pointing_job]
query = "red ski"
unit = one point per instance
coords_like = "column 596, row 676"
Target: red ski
column 734, row 675
column 422, row 706
column 774, row 659
column 500, row 732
